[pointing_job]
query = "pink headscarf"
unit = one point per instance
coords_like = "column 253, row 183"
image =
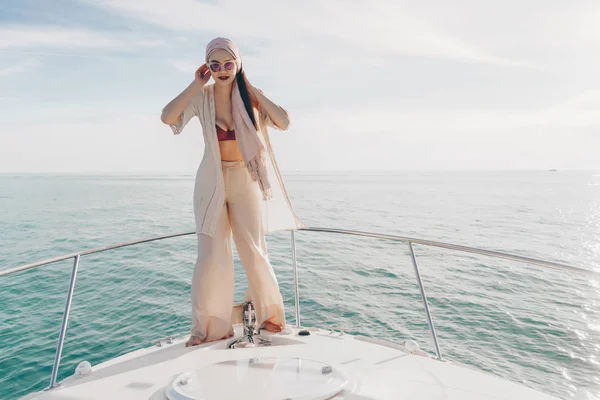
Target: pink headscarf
column 221, row 43
column 250, row 145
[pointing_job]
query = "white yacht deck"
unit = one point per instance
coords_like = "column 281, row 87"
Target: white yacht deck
column 370, row 368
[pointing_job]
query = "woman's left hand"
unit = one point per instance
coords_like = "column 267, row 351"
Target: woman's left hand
column 277, row 114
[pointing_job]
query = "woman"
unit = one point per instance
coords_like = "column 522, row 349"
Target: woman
column 239, row 190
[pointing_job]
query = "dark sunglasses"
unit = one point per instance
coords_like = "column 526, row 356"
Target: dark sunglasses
column 216, row 67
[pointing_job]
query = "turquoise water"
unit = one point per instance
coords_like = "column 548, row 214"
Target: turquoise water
column 537, row 327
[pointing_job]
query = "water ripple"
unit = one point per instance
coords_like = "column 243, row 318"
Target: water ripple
column 540, row 328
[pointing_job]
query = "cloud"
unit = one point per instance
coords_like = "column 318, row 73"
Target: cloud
column 365, row 139
column 388, row 84
column 188, row 66
column 19, row 37
column 136, row 142
column 384, row 27
column 582, row 111
column 19, row 67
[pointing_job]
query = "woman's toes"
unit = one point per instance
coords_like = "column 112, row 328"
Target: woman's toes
column 193, row 341
column 271, row 327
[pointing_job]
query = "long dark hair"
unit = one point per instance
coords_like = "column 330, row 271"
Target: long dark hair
column 249, row 101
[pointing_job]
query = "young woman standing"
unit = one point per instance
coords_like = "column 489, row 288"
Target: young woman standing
column 239, row 191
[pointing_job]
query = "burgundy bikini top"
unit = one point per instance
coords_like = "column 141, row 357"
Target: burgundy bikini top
column 222, row 134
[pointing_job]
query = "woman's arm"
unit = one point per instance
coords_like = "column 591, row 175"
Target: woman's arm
column 277, row 114
column 172, row 111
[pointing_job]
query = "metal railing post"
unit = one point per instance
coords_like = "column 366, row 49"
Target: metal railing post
column 295, row 268
column 65, row 322
column 424, row 298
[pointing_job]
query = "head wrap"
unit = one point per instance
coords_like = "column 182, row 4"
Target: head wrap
column 221, row 43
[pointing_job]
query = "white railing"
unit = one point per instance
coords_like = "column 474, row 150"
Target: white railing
column 409, row 241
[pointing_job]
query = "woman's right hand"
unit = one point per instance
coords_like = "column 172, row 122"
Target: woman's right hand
column 202, row 75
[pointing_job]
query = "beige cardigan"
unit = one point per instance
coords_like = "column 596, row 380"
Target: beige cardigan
column 209, row 190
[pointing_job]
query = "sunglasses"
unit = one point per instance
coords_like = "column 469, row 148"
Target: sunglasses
column 216, row 66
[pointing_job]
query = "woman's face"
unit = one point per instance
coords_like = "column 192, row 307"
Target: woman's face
column 222, row 66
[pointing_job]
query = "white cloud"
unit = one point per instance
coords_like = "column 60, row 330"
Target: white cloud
column 383, row 27
column 370, row 85
column 31, row 37
column 553, row 34
column 19, row 67
column 107, row 143
column 579, row 112
column 365, row 139
column 185, row 65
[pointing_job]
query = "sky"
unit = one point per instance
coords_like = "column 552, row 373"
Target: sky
column 369, row 85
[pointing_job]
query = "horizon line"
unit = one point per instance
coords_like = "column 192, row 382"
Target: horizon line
column 301, row 171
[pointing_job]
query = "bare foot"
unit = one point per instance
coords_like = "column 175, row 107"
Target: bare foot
column 271, row 327
column 230, row 334
column 193, row 341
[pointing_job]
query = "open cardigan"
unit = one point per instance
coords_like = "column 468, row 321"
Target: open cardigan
column 209, row 189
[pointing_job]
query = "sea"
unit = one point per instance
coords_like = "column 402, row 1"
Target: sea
column 531, row 325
